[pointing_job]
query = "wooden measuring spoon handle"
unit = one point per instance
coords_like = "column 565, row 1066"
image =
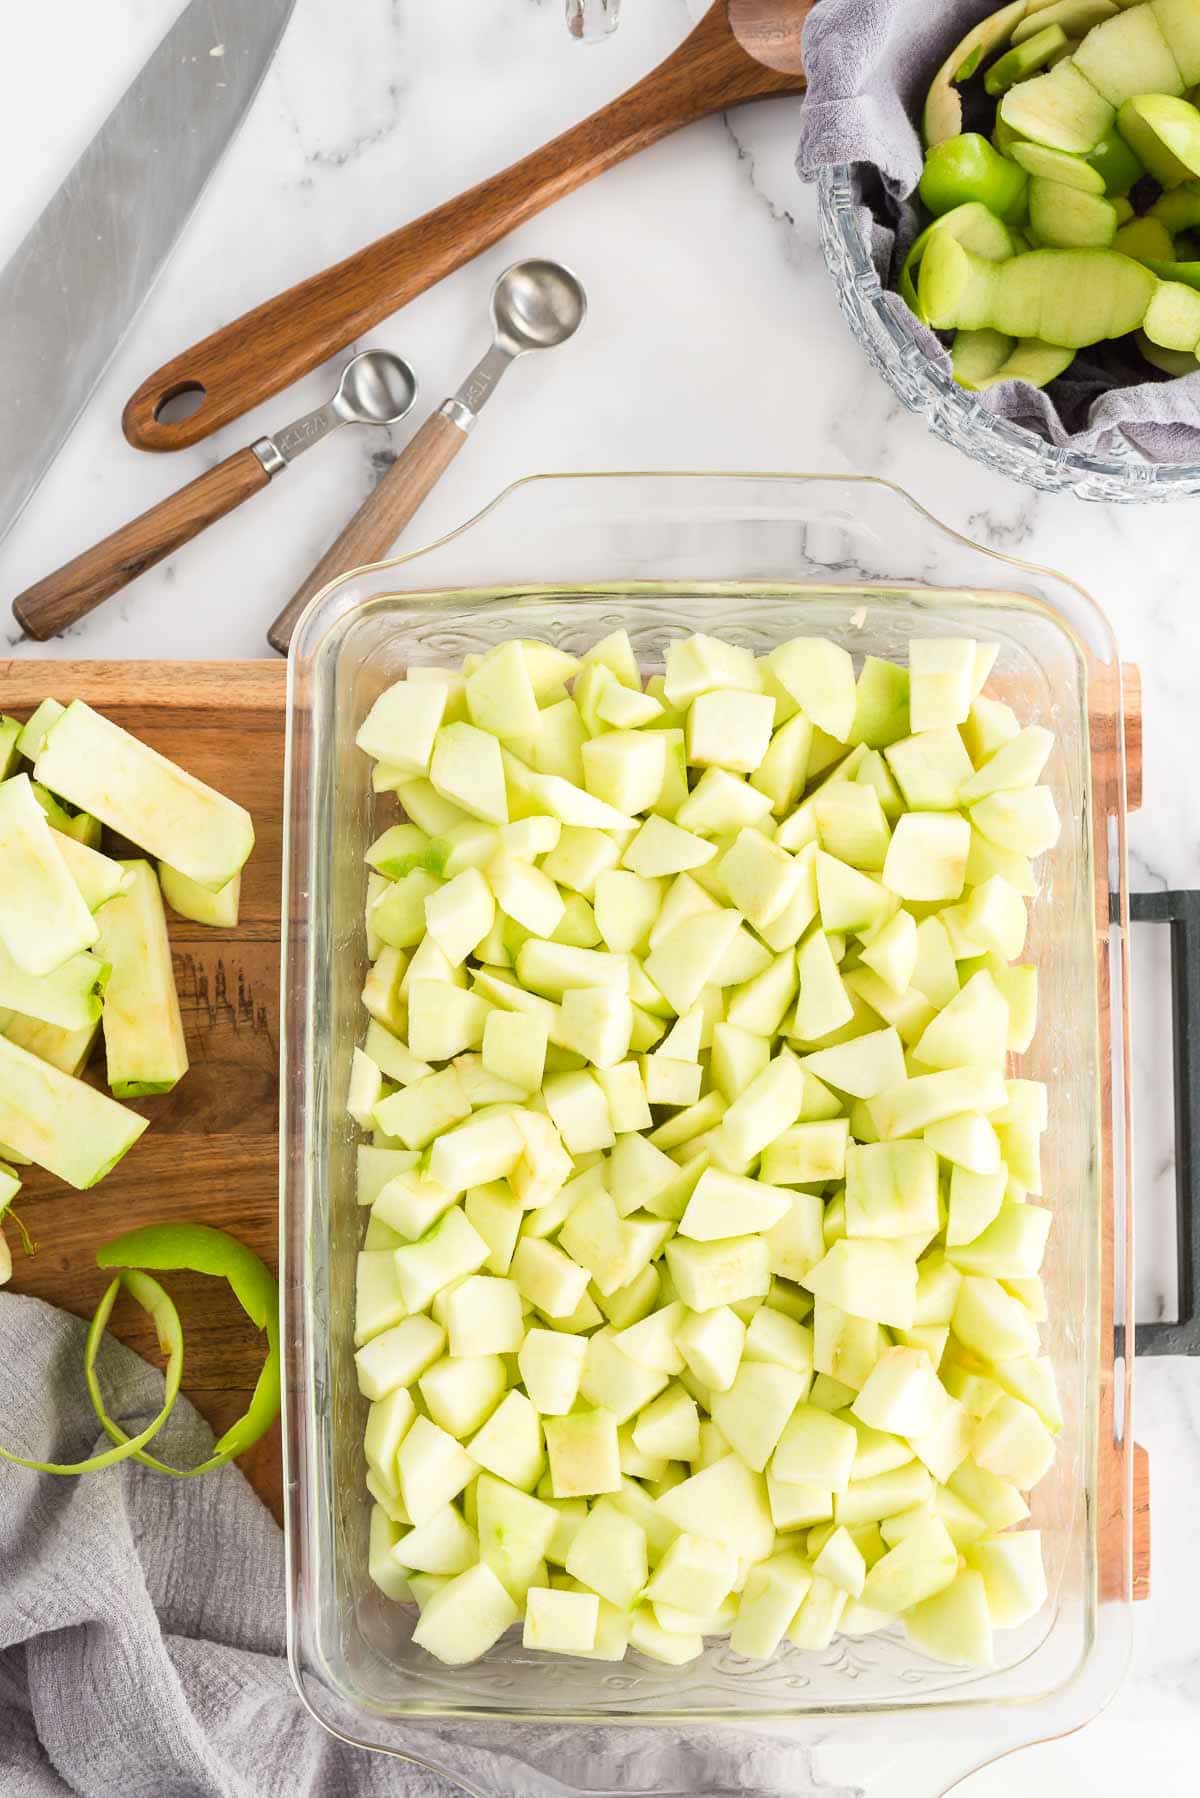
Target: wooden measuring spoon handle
column 380, row 519
column 74, row 590
column 243, row 363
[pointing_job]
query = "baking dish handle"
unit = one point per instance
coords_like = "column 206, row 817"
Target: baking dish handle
column 1181, row 911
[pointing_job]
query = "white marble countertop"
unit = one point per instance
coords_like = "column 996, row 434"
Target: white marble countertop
column 713, row 340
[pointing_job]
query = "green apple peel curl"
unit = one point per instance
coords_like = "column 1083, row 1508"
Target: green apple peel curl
column 198, row 1249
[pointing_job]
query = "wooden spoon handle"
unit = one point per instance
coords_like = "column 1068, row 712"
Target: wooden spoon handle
column 267, row 349
column 74, row 590
column 380, row 519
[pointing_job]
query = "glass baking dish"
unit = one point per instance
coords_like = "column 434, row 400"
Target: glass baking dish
column 756, row 559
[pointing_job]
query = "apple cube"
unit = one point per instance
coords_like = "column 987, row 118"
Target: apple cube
column 712, row 1274
column 819, row 675
column 868, row 1278
column 726, row 1502
column 695, row 1575
column 1010, row 1247
column 459, row 915
column 807, row 1154
column 954, row 1625
column 891, row 1190
column 613, row 1381
column 1014, row 1576
column 815, row 1623
column 910, row 1108
column 1032, row 1380
column 974, row 1201
column 609, row 1555
column 401, row 726
column 669, row 1427
column 796, row 1243
column 442, row 1544
column 648, row 1636
column 651, row 1341
column 849, row 900
column 625, row 768
column 388, row 1421
column 774, row 1337
column 484, row 1317
column 759, row 877
column 485, row 1149
column 398, row 1356
column 451, row 1249
column 923, row 1563
column 466, row 1617
column 551, row 1365
column 384, row 1570
column 525, row 894
column 433, row 1469
column 627, row 906
column 514, row 1530
column 548, row 1277
column 466, row 768
column 711, row 1343
column 583, row 1453
column 815, row 1449
column 460, row 1393
column 845, row 1347
column 902, row 1394
column 752, row 1414
column 942, row 687
column 1024, row 822
column 561, row 1622
column 688, row 959
column 823, row 1005
column 379, row 1302
column 510, row 1443
column 841, row 1562
column 1013, row 1443
column 597, row 1024
column 866, row 1065
column 661, row 847
column 628, row 1107
column 773, row 1593
column 612, row 1248
column 884, row 1495
column 423, row 1110
column 990, row 1322
column 724, row 1205
column 927, row 856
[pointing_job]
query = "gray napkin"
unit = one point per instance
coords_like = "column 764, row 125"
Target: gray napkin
column 869, row 64
column 142, row 1635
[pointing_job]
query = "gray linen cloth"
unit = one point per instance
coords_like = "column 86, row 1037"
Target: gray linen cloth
column 142, row 1634
column 869, row 65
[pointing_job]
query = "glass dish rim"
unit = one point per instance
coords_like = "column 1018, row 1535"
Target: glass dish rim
column 376, row 574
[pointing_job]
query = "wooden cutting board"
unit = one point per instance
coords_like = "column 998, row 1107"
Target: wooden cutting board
column 211, row 1152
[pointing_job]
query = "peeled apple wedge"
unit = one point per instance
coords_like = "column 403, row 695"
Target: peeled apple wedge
column 143, row 1030
column 44, row 918
column 100, row 768
column 60, row 1123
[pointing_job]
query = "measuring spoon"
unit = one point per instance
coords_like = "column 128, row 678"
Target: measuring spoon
column 535, row 305
column 376, row 388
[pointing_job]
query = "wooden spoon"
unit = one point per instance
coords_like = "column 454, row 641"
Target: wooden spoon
column 740, row 50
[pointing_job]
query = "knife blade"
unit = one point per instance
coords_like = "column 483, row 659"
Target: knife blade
column 80, row 275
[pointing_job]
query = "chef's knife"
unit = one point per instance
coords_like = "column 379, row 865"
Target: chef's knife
column 77, row 280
